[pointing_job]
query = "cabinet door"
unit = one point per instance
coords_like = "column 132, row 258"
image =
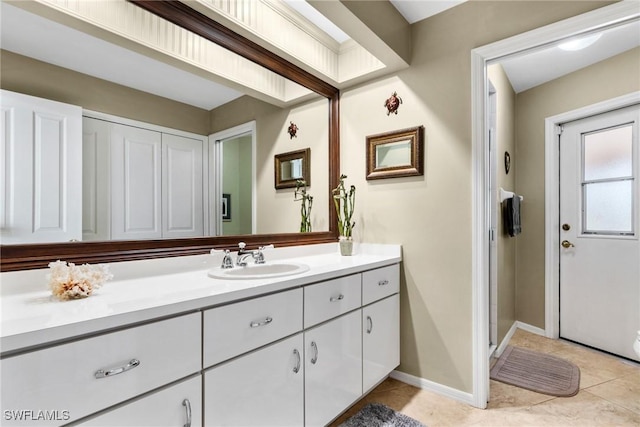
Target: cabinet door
column 175, row 406
column 41, row 173
column 333, row 363
column 135, row 183
column 182, row 184
column 380, row 340
column 96, row 207
column 263, row 388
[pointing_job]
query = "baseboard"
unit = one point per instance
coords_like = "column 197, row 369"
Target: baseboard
column 440, row 389
column 505, row 341
column 533, row 329
column 517, row 325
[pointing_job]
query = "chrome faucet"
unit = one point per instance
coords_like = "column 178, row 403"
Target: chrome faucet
column 258, row 255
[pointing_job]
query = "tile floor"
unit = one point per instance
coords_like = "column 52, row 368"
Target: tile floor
column 609, row 395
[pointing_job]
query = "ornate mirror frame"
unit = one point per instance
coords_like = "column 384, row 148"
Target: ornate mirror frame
column 31, row 256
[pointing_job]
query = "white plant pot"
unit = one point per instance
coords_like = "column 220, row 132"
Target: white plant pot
column 346, row 246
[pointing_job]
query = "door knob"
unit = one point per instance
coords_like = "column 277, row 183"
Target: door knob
column 567, row 244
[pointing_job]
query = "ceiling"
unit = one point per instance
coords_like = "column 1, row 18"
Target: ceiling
column 23, row 33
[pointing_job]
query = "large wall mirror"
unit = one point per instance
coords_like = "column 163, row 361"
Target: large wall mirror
column 248, row 156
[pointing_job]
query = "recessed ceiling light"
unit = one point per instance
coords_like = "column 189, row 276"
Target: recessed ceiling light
column 580, row 43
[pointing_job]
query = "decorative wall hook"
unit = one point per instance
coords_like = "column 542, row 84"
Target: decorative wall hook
column 393, row 103
column 293, row 129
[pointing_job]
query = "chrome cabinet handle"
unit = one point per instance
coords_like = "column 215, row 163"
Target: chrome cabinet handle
column 187, row 409
column 104, row 373
column 314, row 346
column 266, row 321
column 338, row 298
column 296, row 368
column 369, row 324
column 383, row 282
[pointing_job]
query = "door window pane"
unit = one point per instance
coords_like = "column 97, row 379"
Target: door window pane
column 608, row 208
column 607, row 154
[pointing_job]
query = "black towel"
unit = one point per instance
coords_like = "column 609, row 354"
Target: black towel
column 511, row 216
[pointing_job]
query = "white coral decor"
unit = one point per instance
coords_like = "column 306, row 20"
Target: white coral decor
column 70, row 281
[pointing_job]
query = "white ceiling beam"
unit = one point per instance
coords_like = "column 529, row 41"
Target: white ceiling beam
column 376, row 25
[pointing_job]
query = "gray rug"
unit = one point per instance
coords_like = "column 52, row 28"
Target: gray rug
column 379, row 415
column 537, row 372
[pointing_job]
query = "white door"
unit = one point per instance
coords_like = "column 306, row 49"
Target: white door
column 182, row 187
column 135, row 183
column 40, row 177
column 96, row 207
column 333, row 364
column 380, row 340
column 599, row 220
column 263, row 388
column 178, row 405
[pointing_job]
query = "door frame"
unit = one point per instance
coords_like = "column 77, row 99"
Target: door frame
column 598, row 19
column 552, row 200
column 216, row 169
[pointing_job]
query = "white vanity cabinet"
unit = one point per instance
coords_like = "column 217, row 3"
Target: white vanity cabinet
column 380, row 324
column 179, row 405
column 40, row 178
column 92, row 374
column 333, row 364
column 263, row 388
column 296, row 353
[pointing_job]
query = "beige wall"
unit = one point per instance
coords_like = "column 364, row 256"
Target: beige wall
column 607, row 79
column 277, row 212
column 431, row 215
column 505, row 141
column 29, row 76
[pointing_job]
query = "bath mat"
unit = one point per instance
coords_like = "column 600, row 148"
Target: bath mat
column 379, row 415
column 537, row 372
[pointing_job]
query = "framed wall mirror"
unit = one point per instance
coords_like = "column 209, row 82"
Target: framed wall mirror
column 396, row 154
column 292, row 166
column 325, row 96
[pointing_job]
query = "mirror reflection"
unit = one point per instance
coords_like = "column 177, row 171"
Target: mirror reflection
column 291, row 167
column 155, row 159
column 393, row 154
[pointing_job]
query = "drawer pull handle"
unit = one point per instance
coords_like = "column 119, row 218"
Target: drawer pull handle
column 383, row 282
column 338, row 298
column 314, row 346
column 102, row 373
column 187, row 409
column 369, row 324
column 266, row 321
column 296, row 368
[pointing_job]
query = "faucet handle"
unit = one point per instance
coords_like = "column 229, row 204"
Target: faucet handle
column 227, row 262
column 242, row 245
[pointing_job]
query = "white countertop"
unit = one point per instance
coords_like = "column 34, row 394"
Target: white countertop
column 145, row 290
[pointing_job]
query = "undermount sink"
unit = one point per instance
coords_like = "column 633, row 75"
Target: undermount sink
column 259, row 271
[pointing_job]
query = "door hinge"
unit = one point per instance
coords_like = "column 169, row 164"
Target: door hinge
column 559, row 129
column 492, row 234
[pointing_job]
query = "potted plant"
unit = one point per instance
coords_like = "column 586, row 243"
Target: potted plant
column 305, row 205
column 344, row 202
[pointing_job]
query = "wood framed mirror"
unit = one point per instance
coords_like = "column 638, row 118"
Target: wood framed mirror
column 396, row 154
column 291, row 167
column 38, row 255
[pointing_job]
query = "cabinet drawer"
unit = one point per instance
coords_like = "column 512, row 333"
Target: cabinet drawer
column 327, row 300
column 237, row 328
column 380, row 283
column 65, row 377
